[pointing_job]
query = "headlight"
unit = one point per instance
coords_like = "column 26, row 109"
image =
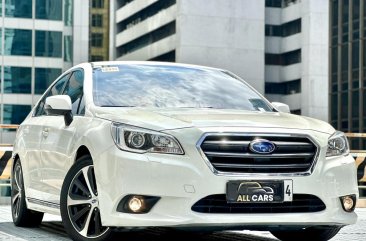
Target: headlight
column 337, row 144
column 134, row 139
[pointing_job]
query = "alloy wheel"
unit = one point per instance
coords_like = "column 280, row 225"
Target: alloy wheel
column 83, row 204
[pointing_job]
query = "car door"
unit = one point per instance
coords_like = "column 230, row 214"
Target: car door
column 58, row 141
column 32, row 134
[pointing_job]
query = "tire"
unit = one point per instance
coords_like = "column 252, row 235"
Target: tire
column 22, row 216
column 79, row 198
column 313, row 234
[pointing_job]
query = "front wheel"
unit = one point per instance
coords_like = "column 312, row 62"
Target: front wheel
column 313, row 234
column 79, row 203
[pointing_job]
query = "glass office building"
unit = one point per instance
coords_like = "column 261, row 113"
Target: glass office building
column 36, row 46
column 347, row 85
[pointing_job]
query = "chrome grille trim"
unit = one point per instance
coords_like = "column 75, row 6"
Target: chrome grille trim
column 262, row 135
column 229, row 154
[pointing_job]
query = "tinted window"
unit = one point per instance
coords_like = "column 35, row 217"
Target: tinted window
column 74, row 89
column 18, row 42
column 44, row 78
column 17, row 80
column 15, row 114
column 18, row 8
column 48, row 43
column 55, row 90
column 68, row 49
column 172, row 86
column 46, row 9
column 68, row 5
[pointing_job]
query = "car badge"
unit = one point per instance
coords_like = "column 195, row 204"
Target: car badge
column 262, row 146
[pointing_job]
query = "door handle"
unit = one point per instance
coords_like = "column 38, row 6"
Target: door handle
column 45, row 132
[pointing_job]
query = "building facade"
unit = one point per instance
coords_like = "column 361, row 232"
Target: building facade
column 296, row 55
column 220, row 33
column 39, row 40
column 99, row 30
column 279, row 46
column 347, row 82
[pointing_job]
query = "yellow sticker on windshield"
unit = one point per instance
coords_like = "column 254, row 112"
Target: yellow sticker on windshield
column 110, row 69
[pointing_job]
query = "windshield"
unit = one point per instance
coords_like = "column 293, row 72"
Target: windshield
column 169, row 86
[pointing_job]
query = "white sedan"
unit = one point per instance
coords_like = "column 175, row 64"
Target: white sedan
column 114, row 145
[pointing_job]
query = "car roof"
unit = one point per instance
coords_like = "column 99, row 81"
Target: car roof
column 104, row 63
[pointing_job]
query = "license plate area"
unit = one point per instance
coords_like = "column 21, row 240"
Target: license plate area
column 273, row 191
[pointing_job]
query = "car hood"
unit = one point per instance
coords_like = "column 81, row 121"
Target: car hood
column 167, row 119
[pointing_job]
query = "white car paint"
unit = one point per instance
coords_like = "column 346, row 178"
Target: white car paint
column 47, row 149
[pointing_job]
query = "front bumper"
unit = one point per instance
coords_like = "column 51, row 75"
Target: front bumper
column 181, row 181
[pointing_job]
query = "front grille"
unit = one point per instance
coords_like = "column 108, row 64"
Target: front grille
column 302, row 203
column 231, row 153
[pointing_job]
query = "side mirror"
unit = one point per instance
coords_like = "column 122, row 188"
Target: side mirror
column 59, row 105
column 281, row 107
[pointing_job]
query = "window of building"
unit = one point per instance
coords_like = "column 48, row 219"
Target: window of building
column 97, row 20
column 274, row 3
column 283, row 88
column 68, row 10
column 273, row 30
column 18, row 8
column 167, row 57
column 48, row 43
column 18, row 42
column 286, row 3
column 95, row 58
column 284, row 30
column 288, row 58
column 291, row 28
column 144, row 14
column 334, row 107
column 15, row 114
column 68, row 48
column 355, row 104
column 296, row 112
column 17, row 80
column 291, row 57
column 345, row 20
column 97, row 3
column 44, row 77
column 51, row 10
column 121, row 3
column 146, row 39
column 97, row 40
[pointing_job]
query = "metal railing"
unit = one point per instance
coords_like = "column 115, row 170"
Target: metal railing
column 360, row 158
column 6, row 162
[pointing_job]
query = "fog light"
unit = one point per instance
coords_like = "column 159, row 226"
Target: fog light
column 136, row 204
column 348, row 203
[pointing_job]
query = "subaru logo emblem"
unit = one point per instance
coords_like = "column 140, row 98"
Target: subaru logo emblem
column 262, row 146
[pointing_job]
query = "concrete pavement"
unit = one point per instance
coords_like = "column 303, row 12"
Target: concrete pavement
column 52, row 230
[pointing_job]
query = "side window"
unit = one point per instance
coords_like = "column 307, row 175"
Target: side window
column 74, row 89
column 82, row 106
column 55, row 90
